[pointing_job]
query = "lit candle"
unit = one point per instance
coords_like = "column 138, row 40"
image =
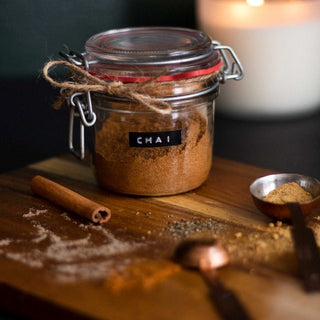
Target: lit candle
column 278, row 43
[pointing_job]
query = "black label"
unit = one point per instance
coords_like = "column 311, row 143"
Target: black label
column 154, row 139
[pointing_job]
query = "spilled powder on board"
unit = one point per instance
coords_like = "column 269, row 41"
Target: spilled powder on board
column 270, row 245
column 67, row 259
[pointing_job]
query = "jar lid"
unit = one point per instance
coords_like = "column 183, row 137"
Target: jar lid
column 146, row 51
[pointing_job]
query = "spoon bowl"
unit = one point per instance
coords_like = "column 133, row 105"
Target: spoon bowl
column 201, row 254
column 262, row 186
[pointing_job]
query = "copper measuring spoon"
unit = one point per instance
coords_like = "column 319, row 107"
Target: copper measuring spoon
column 207, row 256
column 305, row 244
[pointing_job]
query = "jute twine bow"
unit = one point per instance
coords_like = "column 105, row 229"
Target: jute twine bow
column 84, row 81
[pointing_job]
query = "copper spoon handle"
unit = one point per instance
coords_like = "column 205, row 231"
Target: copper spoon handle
column 306, row 249
column 226, row 302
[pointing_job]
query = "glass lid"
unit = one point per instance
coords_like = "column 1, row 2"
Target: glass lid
column 151, row 46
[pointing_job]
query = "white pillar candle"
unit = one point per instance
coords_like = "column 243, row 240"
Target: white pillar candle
column 278, row 43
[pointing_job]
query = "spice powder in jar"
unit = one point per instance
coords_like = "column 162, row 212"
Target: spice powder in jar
column 145, row 149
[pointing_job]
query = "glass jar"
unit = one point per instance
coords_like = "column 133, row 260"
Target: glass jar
column 141, row 147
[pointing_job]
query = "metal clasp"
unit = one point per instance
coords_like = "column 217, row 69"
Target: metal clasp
column 233, row 71
column 80, row 104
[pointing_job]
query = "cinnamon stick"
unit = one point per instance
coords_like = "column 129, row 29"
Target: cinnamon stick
column 70, row 200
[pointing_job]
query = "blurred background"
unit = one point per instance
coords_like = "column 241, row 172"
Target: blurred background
column 34, row 31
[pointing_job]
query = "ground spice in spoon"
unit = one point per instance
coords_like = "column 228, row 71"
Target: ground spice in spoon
column 288, row 192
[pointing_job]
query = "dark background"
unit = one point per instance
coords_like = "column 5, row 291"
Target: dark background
column 33, row 31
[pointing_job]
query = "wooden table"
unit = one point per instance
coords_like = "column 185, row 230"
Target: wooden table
column 56, row 264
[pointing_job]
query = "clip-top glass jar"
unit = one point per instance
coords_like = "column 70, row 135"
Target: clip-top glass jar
column 142, row 148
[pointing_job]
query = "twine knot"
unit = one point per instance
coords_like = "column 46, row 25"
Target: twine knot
column 83, row 81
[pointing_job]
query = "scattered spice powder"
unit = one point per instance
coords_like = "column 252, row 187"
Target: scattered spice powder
column 83, row 259
column 144, row 275
column 238, row 235
column 288, row 192
column 34, row 212
column 86, row 257
column 4, row 242
column 270, row 245
column 183, row 228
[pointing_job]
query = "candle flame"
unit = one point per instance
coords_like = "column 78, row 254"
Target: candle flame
column 255, row 3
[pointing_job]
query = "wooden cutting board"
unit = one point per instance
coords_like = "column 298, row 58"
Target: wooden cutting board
column 56, row 264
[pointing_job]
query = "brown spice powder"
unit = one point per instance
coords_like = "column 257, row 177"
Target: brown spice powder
column 144, row 275
column 288, row 192
column 157, row 170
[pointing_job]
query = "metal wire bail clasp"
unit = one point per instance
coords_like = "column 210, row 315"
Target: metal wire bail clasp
column 230, row 71
column 80, row 106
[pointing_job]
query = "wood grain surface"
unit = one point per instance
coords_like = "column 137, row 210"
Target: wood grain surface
column 56, row 264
